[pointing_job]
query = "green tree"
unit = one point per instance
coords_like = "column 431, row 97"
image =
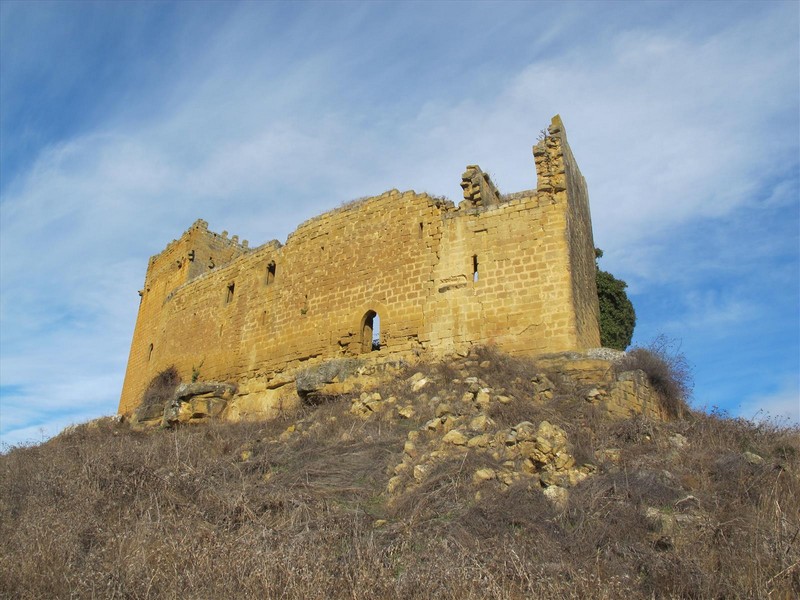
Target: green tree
column 617, row 317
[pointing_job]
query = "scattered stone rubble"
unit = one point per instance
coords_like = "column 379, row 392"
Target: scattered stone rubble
column 536, row 453
column 452, row 419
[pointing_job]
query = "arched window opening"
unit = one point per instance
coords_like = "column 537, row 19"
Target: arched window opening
column 370, row 332
column 150, row 352
column 270, row 277
column 229, row 294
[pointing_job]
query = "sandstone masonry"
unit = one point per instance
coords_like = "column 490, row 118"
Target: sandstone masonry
column 515, row 271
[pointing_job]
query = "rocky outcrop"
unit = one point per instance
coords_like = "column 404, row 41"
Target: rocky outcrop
column 198, row 401
column 537, row 454
column 322, row 378
column 191, row 402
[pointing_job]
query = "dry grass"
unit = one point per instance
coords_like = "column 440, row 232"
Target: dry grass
column 106, row 511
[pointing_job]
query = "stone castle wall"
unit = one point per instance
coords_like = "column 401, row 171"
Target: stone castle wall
column 514, row 271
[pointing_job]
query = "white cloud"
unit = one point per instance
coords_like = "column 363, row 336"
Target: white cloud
column 782, row 405
column 710, row 310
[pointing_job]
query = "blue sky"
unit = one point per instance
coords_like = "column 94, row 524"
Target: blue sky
column 122, row 123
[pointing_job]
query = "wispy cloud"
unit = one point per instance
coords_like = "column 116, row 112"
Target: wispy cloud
column 782, row 406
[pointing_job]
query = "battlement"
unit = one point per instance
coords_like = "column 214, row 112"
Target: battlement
column 386, row 276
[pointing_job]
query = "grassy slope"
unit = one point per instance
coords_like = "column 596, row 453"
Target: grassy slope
column 239, row 511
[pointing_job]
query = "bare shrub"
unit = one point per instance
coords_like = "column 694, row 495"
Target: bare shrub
column 667, row 370
column 504, row 367
column 161, row 387
column 520, row 508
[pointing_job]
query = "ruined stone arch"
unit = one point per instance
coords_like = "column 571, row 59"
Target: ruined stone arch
column 366, row 331
column 371, row 315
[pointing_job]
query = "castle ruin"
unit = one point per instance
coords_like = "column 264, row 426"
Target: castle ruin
column 388, row 276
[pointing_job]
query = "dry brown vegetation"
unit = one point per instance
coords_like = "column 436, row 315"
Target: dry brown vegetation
column 667, row 370
column 159, row 390
column 242, row 511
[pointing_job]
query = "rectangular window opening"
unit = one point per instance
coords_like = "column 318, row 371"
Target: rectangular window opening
column 475, row 267
column 229, row 295
column 270, row 277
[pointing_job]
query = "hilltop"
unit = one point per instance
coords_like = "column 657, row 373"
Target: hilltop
column 470, row 477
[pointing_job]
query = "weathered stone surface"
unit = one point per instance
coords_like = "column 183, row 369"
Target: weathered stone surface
column 410, row 448
column 485, row 474
column 558, row 496
column 481, row 423
column 752, row 458
column 537, row 453
column 148, row 412
column 609, row 354
column 434, row 424
column 415, row 378
column 315, row 378
column 418, row 385
column 525, row 431
column 483, row 397
column 421, row 471
column 480, row 441
column 197, row 401
column 199, row 388
column 367, row 404
column 394, row 484
column 455, row 437
column 406, row 412
column 444, row 409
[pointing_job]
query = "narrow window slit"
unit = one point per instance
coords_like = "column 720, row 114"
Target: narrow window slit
column 475, row 267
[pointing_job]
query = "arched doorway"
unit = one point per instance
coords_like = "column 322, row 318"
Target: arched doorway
column 370, row 332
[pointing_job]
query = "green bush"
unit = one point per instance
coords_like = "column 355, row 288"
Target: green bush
column 617, row 316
